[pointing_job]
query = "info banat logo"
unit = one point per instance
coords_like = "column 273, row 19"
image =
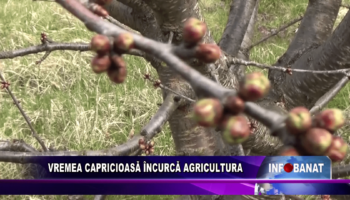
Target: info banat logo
column 290, row 167
column 295, row 167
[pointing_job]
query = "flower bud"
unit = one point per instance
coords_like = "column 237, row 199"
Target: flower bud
column 235, row 129
column 141, row 141
column 194, row 30
column 151, row 143
column 338, row 149
column 117, row 75
column 208, row 53
column 316, row 141
column 299, row 120
column 234, row 104
column 124, row 42
column 254, row 87
column 208, row 112
column 100, row 44
column 118, row 61
column 330, row 119
column 100, row 64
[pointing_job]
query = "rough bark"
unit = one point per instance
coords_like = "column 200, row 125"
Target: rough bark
column 333, row 54
column 240, row 15
column 239, row 71
column 137, row 16
column 314, row 30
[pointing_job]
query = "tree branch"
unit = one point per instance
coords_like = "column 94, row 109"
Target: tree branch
column 332, row 55
column 157, row 83
column 236, row 27
column 170, row 19
column 160, row 50
column 45, row 48
column 16, row 145
column 329, row 95
column 314, row 29
column 165, row 52
column 170, row 104
column 249, row 34
column 34, row 134
column 285, row 69
column 116, row 22
column 238, row 70
column 49, row 47
column 199, row 83
column 282, row 28
column 130, row 147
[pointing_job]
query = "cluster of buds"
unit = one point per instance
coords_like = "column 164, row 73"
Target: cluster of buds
column 316, row 133
column 193, row 33
column 108, row 58
column 146, row 147
column 227, row 115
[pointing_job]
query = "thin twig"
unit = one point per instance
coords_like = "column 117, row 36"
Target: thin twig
column 16, row 145
column 275, row 33
column 45, row 48
column 180, row 95
column 123, row 26
column 54, row 47
column 46, row 55
column 284, row 69
column 329, row 95
column 158, row 84
column 35, row 135
column 44, row 40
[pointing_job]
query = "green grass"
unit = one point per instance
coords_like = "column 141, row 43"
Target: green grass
column 73, row 108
